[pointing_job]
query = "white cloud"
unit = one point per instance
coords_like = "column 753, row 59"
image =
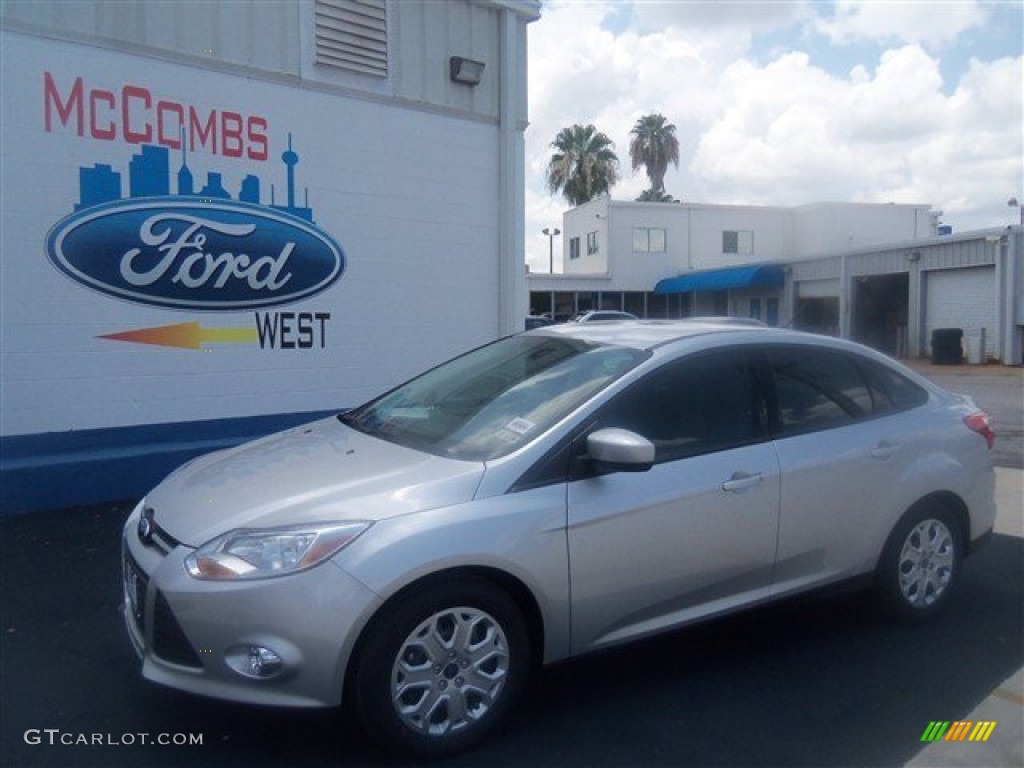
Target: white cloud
column 902, row 102
column 901, row 20
column 744, row 15
column 785, row 130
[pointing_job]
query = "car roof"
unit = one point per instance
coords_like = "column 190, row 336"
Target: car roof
column 647, row 334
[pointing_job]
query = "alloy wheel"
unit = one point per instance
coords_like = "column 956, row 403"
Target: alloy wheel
column 926, row 563
column 450, row 671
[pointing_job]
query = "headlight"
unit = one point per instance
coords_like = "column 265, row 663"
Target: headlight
column 261, row 554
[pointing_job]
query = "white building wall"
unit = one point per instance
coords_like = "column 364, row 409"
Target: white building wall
column 400, row 172
column 768, row 228
column 828, row 228
column 637, row 270
column 577, row 224
column 203, row 33
column 276, row 38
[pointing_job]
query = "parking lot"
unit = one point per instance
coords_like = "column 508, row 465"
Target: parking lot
column 812, row 682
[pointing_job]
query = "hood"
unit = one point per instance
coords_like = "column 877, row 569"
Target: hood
column 323, row 471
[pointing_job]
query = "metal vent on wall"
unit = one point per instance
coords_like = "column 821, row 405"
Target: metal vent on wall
column 353, row 35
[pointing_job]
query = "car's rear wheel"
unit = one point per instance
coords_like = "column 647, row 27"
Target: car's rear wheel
column 920, row 564
column 440, row 666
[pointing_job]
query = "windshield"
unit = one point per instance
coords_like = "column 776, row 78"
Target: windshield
column 495, row 399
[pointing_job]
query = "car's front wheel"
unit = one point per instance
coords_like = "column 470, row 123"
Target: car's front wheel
column 920, row 564
column 440, row 666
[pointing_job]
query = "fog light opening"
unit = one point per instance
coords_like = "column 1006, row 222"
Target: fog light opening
column 263, row 662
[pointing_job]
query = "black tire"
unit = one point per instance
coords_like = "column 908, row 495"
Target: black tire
column 460, row 649
column 920, row 564
column 947, row 348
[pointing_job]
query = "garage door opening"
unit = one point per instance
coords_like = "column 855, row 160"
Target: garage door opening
column 881, row 306
column 818, row 315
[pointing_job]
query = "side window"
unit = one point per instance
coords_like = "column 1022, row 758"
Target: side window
column 890, row 390
column 690, row 407
column 816, row 390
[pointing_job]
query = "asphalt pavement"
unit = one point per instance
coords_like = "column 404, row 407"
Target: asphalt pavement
column 817, row 681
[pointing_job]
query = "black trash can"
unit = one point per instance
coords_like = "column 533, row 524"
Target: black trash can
column 947, row 346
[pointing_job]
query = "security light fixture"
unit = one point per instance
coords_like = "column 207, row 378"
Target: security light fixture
column 1014, row 203
column 465, row 71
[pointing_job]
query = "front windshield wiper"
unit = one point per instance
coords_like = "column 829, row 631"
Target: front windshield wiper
column 350, row 418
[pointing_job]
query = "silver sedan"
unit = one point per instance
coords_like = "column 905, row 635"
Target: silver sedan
column 549, row 494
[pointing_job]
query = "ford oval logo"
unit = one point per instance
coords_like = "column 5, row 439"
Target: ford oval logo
column 185, row 253
column 145, row 529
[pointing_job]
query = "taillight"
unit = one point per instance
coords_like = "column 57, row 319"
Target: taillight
column 978, row 422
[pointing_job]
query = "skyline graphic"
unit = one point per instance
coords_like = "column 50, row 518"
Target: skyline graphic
column 149, row 175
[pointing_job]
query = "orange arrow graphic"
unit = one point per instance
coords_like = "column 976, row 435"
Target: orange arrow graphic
column 186, row 335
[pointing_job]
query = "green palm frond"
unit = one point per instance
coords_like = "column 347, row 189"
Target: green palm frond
column 584, row 164
column 654, row 145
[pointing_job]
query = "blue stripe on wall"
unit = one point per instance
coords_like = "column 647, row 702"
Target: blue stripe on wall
column 64, row 469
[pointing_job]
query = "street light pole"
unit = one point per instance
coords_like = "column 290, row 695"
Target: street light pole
column 551, row 246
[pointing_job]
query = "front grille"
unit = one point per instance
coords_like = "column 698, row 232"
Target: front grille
column 169, row 641
column 136, row 584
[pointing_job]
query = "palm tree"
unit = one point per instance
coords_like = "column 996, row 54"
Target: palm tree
column 584, row 164
column 654, row 196
column 654, row 145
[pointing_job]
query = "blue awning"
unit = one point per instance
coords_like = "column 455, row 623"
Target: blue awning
column 753, row 276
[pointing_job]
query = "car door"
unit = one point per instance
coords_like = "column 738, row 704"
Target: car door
column 694, row 535
column 843, row 449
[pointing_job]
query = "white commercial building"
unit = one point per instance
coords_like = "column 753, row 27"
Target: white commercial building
column 220, row 218
column 879, row 273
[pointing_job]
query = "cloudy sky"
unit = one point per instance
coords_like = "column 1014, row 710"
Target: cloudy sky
column 789, row 102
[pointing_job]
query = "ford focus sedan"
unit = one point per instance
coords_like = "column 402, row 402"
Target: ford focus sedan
column 547, row 495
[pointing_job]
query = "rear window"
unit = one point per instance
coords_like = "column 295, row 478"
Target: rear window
column 890, row 390
column 817, row 389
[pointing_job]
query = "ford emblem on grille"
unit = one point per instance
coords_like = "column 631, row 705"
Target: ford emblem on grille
column 145, row 528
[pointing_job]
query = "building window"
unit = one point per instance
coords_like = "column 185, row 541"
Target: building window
column 591, row 243
column 648, row 240
column 755, row 309
column 739, row 242
column 574, row 248
column 353, row 35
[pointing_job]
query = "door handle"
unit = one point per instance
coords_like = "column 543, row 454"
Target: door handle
column 741, row 481
column 885, row 450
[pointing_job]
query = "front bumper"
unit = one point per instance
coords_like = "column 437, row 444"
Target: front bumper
column 195, row 635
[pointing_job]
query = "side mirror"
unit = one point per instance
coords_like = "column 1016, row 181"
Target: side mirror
column 619, row 450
